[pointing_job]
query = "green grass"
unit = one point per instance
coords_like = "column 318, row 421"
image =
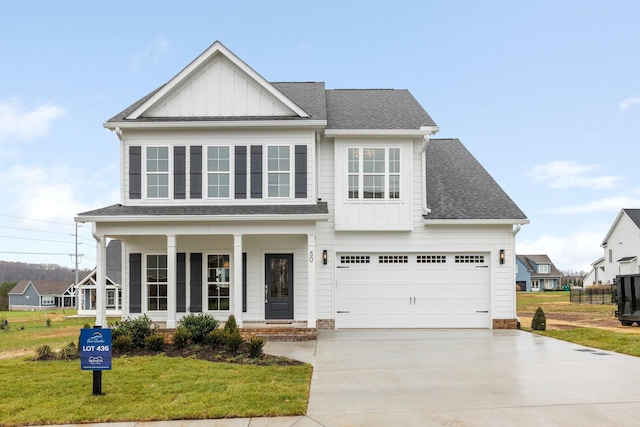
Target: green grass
column 598, row 338
column 558, row 302
column 28, row 329
column 148, row 388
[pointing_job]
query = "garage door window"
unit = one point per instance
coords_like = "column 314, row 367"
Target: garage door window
column 432, row 259
column 469, row 259
column 354, row 259
column 393, row 259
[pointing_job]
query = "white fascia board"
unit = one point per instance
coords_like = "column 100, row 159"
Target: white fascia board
column 321, row 124
column 613, row 226
column 423, row 131
column 200, row 218
column 427, row 222
column 215, row 48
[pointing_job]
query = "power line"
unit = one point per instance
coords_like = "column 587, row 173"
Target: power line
column 39, row 253
column 38, row 240
column 45, row 231
column 38, row 220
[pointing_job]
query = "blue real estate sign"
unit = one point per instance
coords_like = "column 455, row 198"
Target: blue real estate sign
column 95, row 349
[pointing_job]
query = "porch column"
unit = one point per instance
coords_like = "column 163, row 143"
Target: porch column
column 311, row 285
column 101, row 281
column 171, row 281
column 237, row 278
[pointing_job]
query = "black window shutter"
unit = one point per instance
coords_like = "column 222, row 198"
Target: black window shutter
column 179, row 173
column 241, row 172
column 256, row 171
column 181, row 282
column 135, row 172
column 244, row 282
column 195, row 153
column 301, row 171
column 135, row 283
column 196, row 283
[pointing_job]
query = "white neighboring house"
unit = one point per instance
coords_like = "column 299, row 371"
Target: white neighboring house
column 291, row 203
column 621, row 246
column 87, row 288
column 596, row 274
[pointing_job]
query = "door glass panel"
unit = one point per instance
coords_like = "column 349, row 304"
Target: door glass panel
column 279, row 274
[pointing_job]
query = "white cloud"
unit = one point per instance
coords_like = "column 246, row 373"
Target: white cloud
column 573, row 252
column 23, row 124
column 570, row 174
column 610, row 204
column 152, row 54
column 629, row 102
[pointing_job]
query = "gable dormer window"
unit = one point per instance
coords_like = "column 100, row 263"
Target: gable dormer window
column 157, row 172
column 279, row 171
column 218, row 172
column 373, row 173
column 543, row 269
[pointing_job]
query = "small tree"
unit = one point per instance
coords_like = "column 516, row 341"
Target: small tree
column 539, row 321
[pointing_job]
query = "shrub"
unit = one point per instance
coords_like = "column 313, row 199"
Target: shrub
column 216, row 339
column 539, row 321
column 69, row 352
column 48, row 322
column 43, row 352
column 233, row 341
column 4, row 324
column 138, row 329
column 154, row 342
column 255, row 345
column 181, row 337
column 199, row 325
column 231, row 326
column 121, row 343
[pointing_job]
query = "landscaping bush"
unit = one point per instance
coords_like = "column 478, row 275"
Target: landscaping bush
column 69, row 352
column 154, row 342
column 216, row 339
column 199, row 326
column 43, row 352
column 138, row 329
column 255, row 345
column 181, row 337
column 539, row 321
column 233, row 341
column 231, row 326
column 122, row 343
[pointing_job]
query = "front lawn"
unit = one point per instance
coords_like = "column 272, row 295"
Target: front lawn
column 148, row 388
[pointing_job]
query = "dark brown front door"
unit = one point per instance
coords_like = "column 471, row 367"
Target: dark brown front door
column 278, row 286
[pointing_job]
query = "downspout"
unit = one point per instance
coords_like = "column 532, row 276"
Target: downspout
column 516, row 230
column 318, row 168
column 120, row 136
column 425, row 144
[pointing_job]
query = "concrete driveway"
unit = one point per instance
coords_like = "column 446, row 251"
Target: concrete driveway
column 463, row 378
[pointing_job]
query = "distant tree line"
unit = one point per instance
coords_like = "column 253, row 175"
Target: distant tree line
column 16, row 271
column 572, row 277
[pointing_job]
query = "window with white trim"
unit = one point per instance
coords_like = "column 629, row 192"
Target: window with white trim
column 373, row 173
column 156, row 280
column 279, row 171
column 48, row 300
column 157, row 161
column 218, row 171
column 218, row 282
column 543, row 268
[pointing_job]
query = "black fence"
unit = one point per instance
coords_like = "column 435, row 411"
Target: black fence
column 597, row 294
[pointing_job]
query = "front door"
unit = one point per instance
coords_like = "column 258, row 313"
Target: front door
column 278, row 286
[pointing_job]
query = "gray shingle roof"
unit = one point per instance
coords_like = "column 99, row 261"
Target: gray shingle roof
column 531, row 260
column 308, row 96
column 42, row 286
column 207, row 210
column 375, row 109
column 634, row 214
column 458, row 187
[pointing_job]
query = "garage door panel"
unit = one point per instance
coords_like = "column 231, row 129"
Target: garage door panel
column 428, row 291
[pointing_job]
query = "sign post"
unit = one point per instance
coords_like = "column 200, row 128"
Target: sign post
column 95, row 354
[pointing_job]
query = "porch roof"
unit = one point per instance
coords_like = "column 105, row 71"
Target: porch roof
column 304, row 212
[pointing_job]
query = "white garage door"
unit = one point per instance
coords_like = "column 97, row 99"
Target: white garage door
column 413, row 291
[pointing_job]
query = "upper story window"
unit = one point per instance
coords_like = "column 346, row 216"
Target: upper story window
column 373, row 173
column 543, row 268
column 218, row 172
column 279, row 171
column 158, row 172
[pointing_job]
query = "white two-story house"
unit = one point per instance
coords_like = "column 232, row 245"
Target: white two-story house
column 293, row 203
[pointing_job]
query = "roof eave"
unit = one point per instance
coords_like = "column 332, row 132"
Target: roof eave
column 199, row 218
column 427, row 221
column 423, row 131
column 320, row 124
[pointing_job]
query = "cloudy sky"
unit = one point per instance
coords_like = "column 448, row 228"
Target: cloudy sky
column 546, row 94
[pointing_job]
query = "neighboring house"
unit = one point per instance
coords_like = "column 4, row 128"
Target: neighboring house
column 292, row 203
column 596, row 274
column 536, row 273
column 621, row 246
column 87, row 287
column 41, row 295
